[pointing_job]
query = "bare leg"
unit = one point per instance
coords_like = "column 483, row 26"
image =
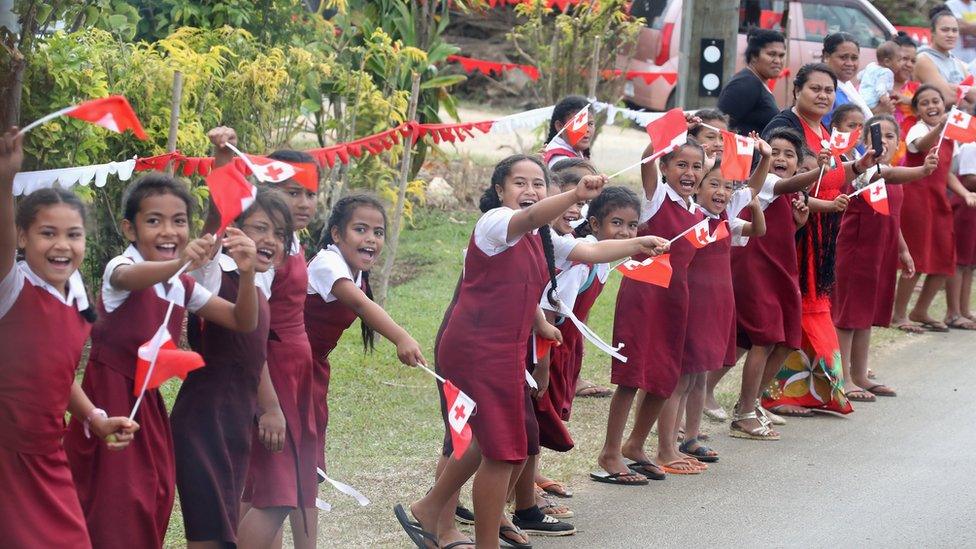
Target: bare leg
column 667, row 450
column 442, row 497
column 611, row 457
column 447, row 530
column 752, row 374
column 931, row 287
column 679, row 417
column 846, row 339
column 647, row 413
column 301, row 538
column 490, row 488
column 695, row 404
column 259, row 528
column 903, row 294
column 966, row 292
column 953, row 289
column 859, row 359
column 773, row 364
column 713, row 378
column 212, row 544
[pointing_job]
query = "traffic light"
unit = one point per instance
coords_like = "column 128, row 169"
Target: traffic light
column 710, row 67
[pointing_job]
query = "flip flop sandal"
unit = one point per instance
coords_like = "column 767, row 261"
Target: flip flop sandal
column 592, row 390
column 695, row 462
column 416, row 534
column 509, row 542
column 958, row 323
column 668, row 468
column 910, row 328
column 555, row 488
column 882, row 391
column 860, row 395
column 463, row 543
column 716, row 414
column 557, row 511
column 648, row 469
column 701, row 453
column 615, row 478
column 463, row 515
column 938, row 327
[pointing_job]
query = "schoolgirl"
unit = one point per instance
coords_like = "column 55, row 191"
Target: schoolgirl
column 558, row 147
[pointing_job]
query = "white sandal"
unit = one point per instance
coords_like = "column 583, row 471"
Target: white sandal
column 763, row 432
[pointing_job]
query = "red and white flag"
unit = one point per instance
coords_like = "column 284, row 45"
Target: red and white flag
column 960, row 127
column 700, row 236
column 669, row 131
column 877, row 196
column 459, row 410
column 963, row 87
column 577, row 128
column 170, row 361
column 736, row 156
column 270, row 170
column 112, row 113
column 842, row 142
column 653, row 270
column 542, row 347
column 231, row 193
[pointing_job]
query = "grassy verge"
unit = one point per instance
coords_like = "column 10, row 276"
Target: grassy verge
column 385, row 428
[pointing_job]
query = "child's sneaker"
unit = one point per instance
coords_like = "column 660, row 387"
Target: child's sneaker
column 541, row 524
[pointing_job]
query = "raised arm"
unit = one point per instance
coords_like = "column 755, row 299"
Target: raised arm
column 242, row 315
column 544, row 211
column 11, row 158
column 408, row 350
column 931, row 139
column 606, row 251
column 649, row 173
column 219, row 136
column 756, row 227
column 140, row 276
column 758, row 177
column 903, row 174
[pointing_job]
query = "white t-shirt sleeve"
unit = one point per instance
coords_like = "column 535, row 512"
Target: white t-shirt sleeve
column 10, row 287
column 112, row 297
column 651, row 205
column 562, row 246
column 740, row 199
column 767, row 194
column 210, row 275
column 491, row 231
column 324, row 271
column 967, row 159
column 915, row 133
column 198, row 298
column 568, row 284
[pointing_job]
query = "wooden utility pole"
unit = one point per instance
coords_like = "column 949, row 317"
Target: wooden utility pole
column 705, row 20
column 174, row 117
column 393, row 235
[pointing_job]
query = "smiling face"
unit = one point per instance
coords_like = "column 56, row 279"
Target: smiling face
column 301, row 202
column 268, row 236
column 784, row 158
column 946, row 33
column 524, row 186
column 711, row 140
column 889, row 139
column 683, row 170
column 816, row 97
column 844, row 61
column 714, row 192
column 362, row 239
column 573, row 213
column 769, row 62
column 54, row 244
column 618, row 224
column 930, row 107
column 161, row 227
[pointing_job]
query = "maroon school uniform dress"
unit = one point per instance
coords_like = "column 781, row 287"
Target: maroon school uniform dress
column 484, row 345
column 213, row 418
column 127, row 495
column 651, row 321
column 926, row 216
column 557, row 150
column 325, row 321
column 766, row 278
column 287, row 478
column 867, row 263
column 39, row 506
column 964, row 227
column 710, row 342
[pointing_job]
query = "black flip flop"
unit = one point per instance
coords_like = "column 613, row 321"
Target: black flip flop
column 700, row 453
column 647, row 469
column 614, row 478
column 416, row 534
column 465, row 543
column 510, row 542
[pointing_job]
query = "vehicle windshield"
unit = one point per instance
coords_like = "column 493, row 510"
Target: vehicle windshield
column 821, row 19
column 765, row 14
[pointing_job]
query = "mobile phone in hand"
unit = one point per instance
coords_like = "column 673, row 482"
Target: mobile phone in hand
column 876, row 142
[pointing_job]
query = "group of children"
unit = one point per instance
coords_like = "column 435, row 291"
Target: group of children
column 793, row 246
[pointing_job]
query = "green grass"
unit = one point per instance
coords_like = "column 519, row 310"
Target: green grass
column 385, row 428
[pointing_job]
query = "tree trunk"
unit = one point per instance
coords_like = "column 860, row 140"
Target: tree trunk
column 11, row 90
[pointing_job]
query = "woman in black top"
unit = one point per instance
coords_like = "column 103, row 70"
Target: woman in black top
column 746, row 99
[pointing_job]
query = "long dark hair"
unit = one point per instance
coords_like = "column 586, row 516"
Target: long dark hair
column 490, row 200
column 339, row 219
column 833, row 41
column 271, row 201
column 153, row 184
column 565, row 109
column 30, row 205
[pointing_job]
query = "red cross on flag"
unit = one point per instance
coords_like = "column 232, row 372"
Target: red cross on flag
column 653, row 270
column 578, row 127
column 669, row 131
column 960, row 127
column 700, row 236
column 736, row 156
column 842, row 142
column 878, row 197
column 112, row 113
column 459, row 410
column 160, row 359
column 231, row 193
column 963, row 87
column 271, row 171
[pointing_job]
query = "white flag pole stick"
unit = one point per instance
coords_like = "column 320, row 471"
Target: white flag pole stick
column 816, row 189
column 938, row 145
column 682, row 233
column 431, row 372
column 243, row 157
column 44, row 119
column 560, row 132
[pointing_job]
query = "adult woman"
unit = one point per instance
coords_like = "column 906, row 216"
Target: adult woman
column 905, row 88
column 842, row 54
column 746, row 99
column 936, row 64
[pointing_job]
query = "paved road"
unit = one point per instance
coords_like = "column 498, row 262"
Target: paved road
column 896, row 473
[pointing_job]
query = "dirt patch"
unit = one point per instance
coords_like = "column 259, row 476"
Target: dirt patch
column 408, row 268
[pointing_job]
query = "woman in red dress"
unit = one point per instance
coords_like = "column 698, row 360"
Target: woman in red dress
column 42, row 300
column 926, row 215
column 484, row 342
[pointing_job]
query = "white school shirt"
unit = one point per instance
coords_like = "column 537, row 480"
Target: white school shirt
column 916, row 132
column 326, row 268
column 560, row 143
column 737, row 202
column 967, row 159
column 571, row 278
column 13, row 283
column 113, row 298
column 210, row 275
column 766, row 197
column 650, row 206
column 491, row 235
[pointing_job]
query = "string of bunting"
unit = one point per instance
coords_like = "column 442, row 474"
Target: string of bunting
column 471, row 64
